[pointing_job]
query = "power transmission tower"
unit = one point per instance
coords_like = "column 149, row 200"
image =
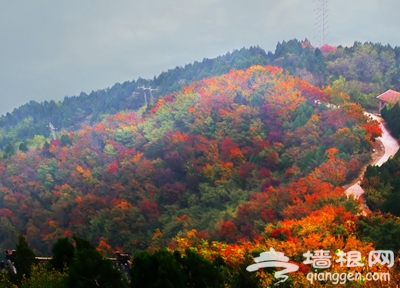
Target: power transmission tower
column 151, row 94
column 144, row 94
column 321, row 22
column 52, row 129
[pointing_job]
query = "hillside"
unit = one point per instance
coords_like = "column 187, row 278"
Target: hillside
column 225, row 164
column 73, row 112
column 225, row 156
column 362, row 71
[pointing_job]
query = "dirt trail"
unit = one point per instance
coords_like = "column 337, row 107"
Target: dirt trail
column 389, row 147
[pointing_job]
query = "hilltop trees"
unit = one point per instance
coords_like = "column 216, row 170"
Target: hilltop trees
column 32, row 118
column 367, row 70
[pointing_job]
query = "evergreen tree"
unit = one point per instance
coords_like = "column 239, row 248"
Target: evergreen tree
column 199, row 271
column 24, row 259
column 65, row 140
column 9, row 150
column 22, row 147
column 63, row 254
column 90, row 269
column 158, row 270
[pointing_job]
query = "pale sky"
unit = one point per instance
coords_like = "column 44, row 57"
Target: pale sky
column 51, row 49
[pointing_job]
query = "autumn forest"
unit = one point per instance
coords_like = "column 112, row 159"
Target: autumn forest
column 236, row 155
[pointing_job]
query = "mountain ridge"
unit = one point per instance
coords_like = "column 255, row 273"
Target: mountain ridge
column 320, row 66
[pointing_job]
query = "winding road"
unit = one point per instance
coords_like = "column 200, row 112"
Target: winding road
column 390, row 145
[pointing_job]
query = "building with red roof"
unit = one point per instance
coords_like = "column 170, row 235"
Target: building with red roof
column 389, row 96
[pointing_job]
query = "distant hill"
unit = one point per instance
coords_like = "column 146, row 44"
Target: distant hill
column 362, row 71
column 32, row 118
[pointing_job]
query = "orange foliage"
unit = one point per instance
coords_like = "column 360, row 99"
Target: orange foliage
column 137, row 157
column 157, row 234
column 104, row 248
column 122, row 204
column 119, row 116
column 236, row 153
column 184, row 217
column 79, row 169
column 179, row 137
column 373, row 129
column 326, row 48
column 188, row 89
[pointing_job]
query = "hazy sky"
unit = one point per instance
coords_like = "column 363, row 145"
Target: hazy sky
column 51, row 49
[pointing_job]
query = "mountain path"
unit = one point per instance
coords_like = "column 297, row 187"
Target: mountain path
column 385, row 147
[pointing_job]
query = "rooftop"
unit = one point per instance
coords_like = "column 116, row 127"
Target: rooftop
column 389, row 96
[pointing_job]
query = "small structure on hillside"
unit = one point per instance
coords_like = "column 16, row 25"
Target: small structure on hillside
column 389, row 96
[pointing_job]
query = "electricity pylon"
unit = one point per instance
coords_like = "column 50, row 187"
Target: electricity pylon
column 321, row 22
column 52, row 129
column 150, row 92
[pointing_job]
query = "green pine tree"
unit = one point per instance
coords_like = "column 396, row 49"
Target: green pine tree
column 24, row 259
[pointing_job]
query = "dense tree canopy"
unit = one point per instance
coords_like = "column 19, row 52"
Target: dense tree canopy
column 216, row 169
column 225, row 156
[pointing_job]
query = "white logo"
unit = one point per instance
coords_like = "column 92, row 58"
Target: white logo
column 274, row 259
